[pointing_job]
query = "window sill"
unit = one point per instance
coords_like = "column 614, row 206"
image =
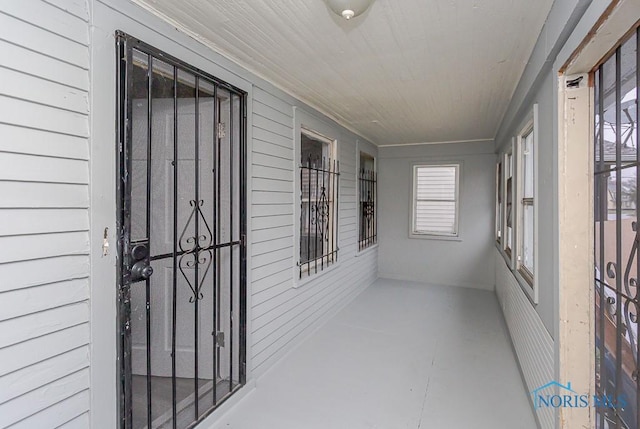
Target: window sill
column 435, row 237
column 527, row 284
column 305, row 279
column 366, row 250
column 505, row 255
column 522, row 278
column 527, row 276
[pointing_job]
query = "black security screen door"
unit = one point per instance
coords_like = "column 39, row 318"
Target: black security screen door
column 181, row 226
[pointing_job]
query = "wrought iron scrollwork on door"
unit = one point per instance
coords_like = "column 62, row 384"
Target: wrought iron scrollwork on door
column 199, row 254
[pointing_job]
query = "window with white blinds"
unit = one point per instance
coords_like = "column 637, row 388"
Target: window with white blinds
column 435, row 199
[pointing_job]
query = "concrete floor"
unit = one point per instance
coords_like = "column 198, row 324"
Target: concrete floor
column 401, row 355
column 161, row 394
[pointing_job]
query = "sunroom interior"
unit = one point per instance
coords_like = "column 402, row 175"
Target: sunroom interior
column 319, row 214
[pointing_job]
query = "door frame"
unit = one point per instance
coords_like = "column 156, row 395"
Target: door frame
column 107, row 16
column 602, row 26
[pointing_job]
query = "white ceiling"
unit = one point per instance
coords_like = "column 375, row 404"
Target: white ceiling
column 407, row 71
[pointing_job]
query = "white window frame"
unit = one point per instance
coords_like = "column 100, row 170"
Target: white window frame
column 499, row 227
column 434, row 234
column 527, row 279
column 359, row 152
column 508, row 171
column 310, row 124
column 325, row 261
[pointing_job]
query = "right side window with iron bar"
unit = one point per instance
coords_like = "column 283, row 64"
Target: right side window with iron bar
column 367, row 183
column 318, row 203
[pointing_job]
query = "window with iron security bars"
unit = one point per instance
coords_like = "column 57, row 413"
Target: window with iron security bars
column 368, row 189
column 319, row 181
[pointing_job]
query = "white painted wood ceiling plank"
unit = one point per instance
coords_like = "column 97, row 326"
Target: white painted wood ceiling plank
column 404, row 72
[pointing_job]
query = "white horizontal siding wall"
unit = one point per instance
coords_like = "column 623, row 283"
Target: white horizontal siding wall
column 531, row 340
column 281, row 315
column 44, row 220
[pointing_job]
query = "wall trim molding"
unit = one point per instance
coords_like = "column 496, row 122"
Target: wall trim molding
column 442, row 142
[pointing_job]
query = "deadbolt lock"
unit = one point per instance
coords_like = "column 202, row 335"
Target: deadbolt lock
column 139, row 252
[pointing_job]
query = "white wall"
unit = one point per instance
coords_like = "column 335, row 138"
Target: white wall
column 44, row 215
column 281, row 311
column 467, row 262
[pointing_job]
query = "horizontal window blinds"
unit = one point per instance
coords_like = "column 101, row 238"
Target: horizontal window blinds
column 435, row 199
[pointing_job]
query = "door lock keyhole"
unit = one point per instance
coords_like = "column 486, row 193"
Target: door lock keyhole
column 141, row 269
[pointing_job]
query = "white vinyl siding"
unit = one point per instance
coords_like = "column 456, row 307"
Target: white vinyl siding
column 532, row 342
column 44, row 214
column 281, row 314
column 435, row 199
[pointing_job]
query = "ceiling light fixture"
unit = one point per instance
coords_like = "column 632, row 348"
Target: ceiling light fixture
column 349, row 8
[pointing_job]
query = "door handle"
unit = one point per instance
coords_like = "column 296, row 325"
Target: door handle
column 141, row 269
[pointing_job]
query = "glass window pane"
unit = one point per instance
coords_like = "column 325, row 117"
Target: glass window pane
column 509, row 213
column 628, row 116
column 140, row 143
column 317, row 187
column 313, row 151
column 615, row 202
column 628, row 105
column 628, row 192
column 527, row 238
column 526, row 216
column 161, row 159
column 367, row 201
column 498, row 214
column 528, row 173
